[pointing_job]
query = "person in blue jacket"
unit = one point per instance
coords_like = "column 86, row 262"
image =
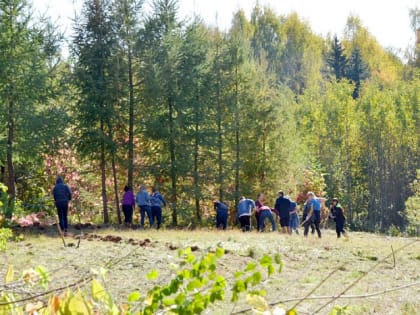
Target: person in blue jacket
column 143, row 201
column 221, row 214
column 62, row 196
column 245, row 208
column 314, row 214
column 156, row 201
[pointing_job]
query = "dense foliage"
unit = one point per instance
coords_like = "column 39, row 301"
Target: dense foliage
column 205, row 114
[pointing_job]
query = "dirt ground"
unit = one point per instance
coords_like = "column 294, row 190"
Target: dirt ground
column 131, row 254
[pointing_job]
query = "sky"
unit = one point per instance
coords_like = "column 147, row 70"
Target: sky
column 387, row 20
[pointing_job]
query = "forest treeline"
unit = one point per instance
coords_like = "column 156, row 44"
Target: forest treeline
column 147, row 97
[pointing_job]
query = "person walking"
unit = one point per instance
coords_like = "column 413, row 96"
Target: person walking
column 62, row 196
column 143, row 201
column 221, row 214
column 306, row 208
column 282, row 205
column 337, row 213
column 314, row 213
column 157, row 201
column 245, row 207
column 128, row 204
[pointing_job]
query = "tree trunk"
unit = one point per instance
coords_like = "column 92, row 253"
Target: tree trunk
column 117, row 199
column 130, row 121
column 237, row 144
column 172, row 157
column 196, row 175
column 219, row 119
column 9, row 154
column 103, row 175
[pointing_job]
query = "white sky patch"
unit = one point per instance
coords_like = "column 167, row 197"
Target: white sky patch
column 387, row 20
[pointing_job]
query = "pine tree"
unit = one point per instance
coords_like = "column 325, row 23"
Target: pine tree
column 336, row 59
column 356, row 71
column 94, row 47
column 28, row 58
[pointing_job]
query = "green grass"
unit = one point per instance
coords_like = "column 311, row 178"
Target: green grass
column 306, row 263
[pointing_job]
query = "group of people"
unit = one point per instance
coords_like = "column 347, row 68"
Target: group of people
column 149, row 204
column 286, row 210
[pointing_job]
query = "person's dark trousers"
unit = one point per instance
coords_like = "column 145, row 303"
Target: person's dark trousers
column 257, row 217
column 62, row 210
column 266, row 214
column 315, row 220
column 143, row 211
column 245, row 221
column 339, row 227
column 221, row 219
column 311, row 224
column 157, row 215
column 128, row 213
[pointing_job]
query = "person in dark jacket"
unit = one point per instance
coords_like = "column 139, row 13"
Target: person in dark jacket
column 282, row 205
column 221, row 214
column 62, row 196
column 128, row 205
column 157, row 200
column 337, row 213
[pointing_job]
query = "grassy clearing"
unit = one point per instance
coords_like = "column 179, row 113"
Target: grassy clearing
column 306, row 263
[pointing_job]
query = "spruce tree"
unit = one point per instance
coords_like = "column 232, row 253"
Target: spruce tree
column 336, row 59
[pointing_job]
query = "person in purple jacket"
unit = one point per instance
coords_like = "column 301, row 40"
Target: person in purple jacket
column 128, row 204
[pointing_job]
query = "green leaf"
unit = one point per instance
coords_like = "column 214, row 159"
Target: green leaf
column 9, row 274
column 291, row 312
column 98, row 291
column 251, row 266
column 152, row 275
column 265, row 261
column 277, row 259
column 194, row 284
column 134, row 296
column 270, row 270
column 44, row 276
column 219, row 252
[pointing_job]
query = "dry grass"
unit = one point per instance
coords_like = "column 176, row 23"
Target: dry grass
column 306, row 263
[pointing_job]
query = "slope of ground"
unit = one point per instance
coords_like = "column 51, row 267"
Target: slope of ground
column 306, row 263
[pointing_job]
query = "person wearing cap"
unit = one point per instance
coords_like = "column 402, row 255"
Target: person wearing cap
column 337, row 213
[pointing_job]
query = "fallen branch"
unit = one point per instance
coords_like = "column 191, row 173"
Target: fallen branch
column 364, row 275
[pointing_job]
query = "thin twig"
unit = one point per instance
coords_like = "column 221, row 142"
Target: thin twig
column 393, row 255
column 342, row 297
column 317, row 286
column 363, row 275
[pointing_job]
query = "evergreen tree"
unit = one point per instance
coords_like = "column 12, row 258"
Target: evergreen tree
column 356, row 71
column 94, row 47
column 336, row 59
column 28, row 65
column 160, row 40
